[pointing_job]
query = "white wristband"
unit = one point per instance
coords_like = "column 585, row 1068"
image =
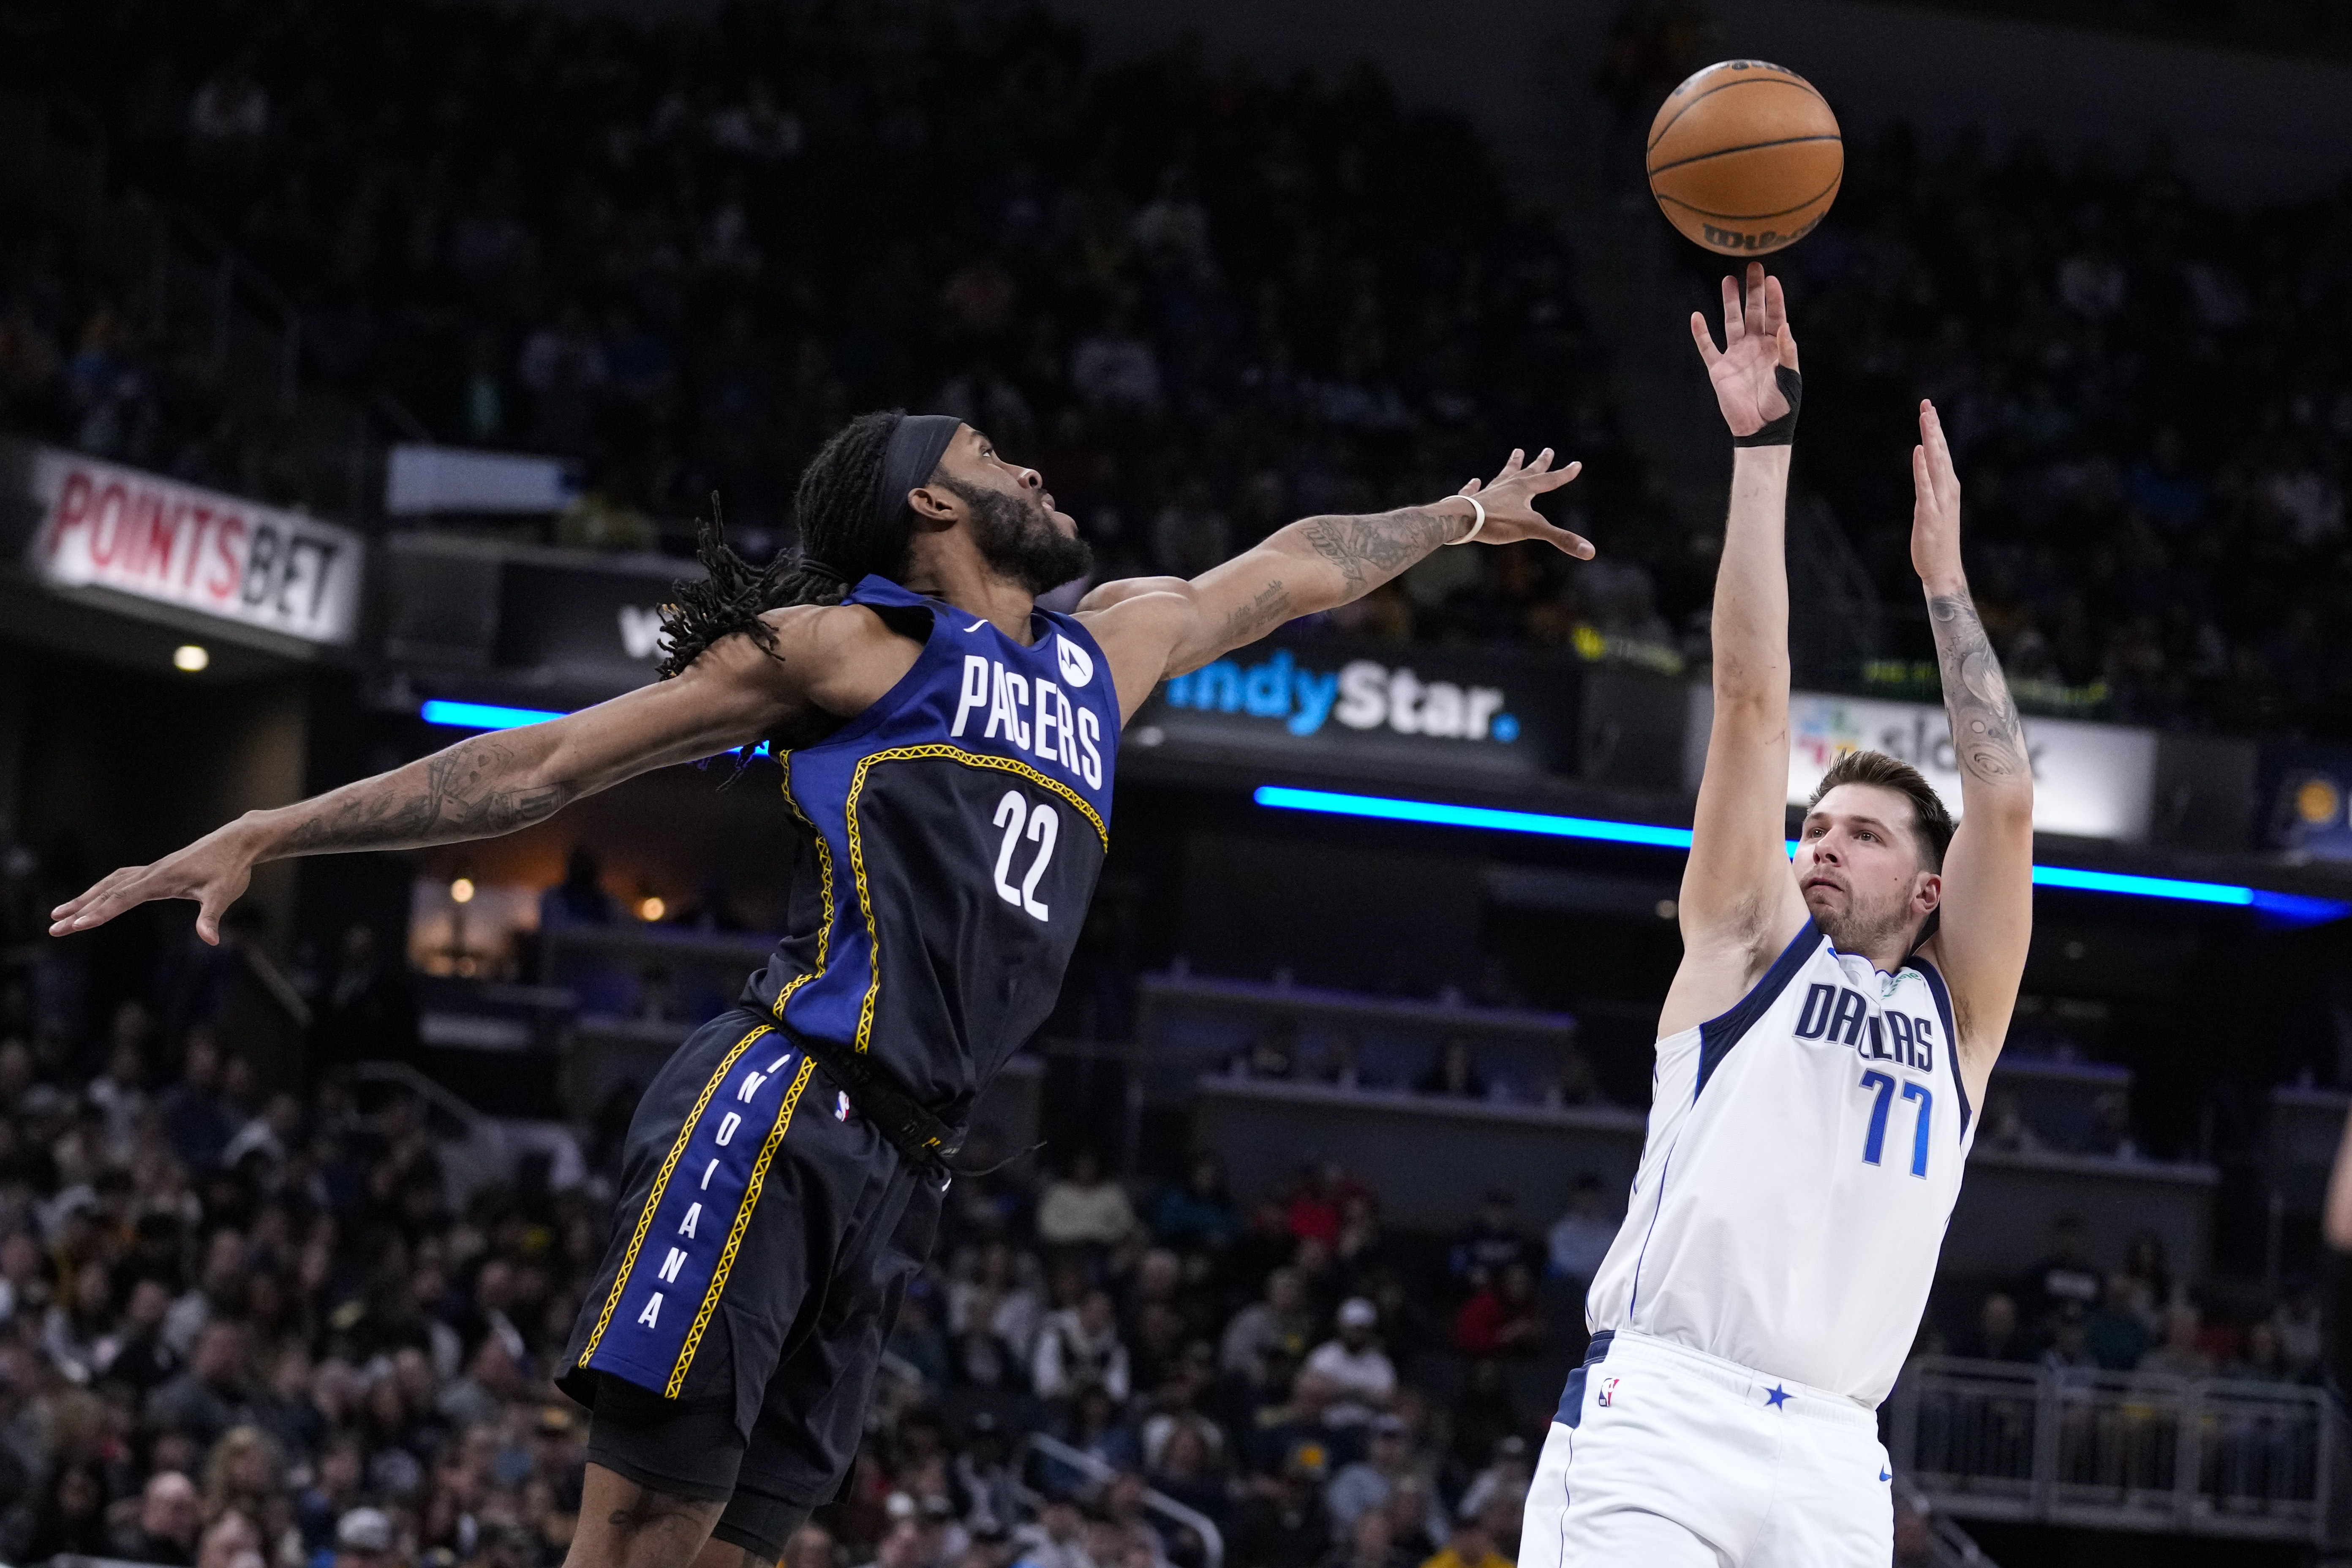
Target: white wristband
column 1477, row 526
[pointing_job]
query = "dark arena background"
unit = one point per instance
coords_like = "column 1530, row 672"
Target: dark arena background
column 365, row 366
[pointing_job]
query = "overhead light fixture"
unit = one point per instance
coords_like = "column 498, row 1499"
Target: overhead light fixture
column 2298, row 909
column 651, row 909
column 191, row 658
column 461, row 892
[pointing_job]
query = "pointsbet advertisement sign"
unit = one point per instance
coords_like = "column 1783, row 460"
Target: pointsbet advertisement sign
column 103, row 525
column 1341, row 702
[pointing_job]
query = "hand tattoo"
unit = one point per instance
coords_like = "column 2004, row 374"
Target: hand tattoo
column 1387, row 542
column 452, row 794
column 1988, row 737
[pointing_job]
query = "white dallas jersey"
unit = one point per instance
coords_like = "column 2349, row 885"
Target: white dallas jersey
column 1804, row 1153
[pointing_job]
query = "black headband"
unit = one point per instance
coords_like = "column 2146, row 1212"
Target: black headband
column 915, row 450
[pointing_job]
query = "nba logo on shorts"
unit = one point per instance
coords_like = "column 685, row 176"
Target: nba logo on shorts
column 1608, row 1391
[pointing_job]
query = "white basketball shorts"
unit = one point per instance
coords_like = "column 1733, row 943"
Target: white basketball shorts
column 1663, row 1457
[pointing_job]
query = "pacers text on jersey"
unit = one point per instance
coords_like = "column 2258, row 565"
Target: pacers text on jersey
column 1034, row 716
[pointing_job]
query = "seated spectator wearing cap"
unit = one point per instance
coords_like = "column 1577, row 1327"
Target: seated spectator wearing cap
column 1364, row 1378
column 1367, row 1485
column 364, row 1538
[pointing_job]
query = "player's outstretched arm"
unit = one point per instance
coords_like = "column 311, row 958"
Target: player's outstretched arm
column 1740, row 905
column 1153, row 627
column 488, row 785
column 1986, row 920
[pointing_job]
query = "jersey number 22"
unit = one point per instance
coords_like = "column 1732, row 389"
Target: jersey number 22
column 1041, row 825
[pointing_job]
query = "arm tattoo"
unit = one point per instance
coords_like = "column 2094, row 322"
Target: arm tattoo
column 1251, row 621
column 1386, row 541
column 1987, row 735
column 465, row 791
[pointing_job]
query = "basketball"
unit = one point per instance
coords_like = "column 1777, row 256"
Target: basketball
column 1745, row 157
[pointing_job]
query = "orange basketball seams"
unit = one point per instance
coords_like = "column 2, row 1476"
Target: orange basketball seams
column 1745, row 157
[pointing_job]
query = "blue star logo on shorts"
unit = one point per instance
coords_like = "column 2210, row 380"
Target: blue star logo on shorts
column 1776, row 1396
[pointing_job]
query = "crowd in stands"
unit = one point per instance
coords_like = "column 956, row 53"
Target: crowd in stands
column 1281, row 1052
column 82, row 364
column 2144, row 388
column 1204, row 301
column 1201, row 302
column 2067, row 1313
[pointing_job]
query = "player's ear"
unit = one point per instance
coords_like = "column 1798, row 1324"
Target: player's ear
column 935, row 507
column 1927, row 892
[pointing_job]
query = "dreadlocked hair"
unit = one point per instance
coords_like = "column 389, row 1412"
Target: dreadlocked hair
column 840, row 541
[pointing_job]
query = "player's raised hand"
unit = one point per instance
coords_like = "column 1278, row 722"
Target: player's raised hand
column 1935, row 505
column 1757, row 342
column 213, row 872
column 1510, row 502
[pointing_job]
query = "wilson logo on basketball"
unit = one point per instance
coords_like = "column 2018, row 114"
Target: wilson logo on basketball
column 1745, row 157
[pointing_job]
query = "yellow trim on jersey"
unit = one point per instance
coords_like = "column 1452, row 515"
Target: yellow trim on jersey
column 825, row 884
column 857, row 849
column 742, row 1223
column 661, row 1186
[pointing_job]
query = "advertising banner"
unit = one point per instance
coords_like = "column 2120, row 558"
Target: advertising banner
column 2094, row 781
column 1342, row 704
column 107, row 526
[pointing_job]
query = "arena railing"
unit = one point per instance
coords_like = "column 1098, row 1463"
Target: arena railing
column 1992, row 1440
column 1037, row 1445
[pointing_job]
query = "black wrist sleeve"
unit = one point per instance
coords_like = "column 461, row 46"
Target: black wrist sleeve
column 1781, row 432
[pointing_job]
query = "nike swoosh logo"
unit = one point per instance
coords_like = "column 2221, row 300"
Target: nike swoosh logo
column 1885, row 1475
column 977, row 624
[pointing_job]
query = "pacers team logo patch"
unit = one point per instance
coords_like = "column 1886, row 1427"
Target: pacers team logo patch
column 1078, row 664
column 1608, row 1392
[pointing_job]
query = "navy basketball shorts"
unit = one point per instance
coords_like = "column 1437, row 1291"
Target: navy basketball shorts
column 764, row 1237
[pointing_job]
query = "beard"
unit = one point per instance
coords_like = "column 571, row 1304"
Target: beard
column 1019, row 542
column 1867, row 927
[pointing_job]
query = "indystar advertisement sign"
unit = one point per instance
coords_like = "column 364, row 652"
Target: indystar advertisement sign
column 2094, row 781
column 1349, row 703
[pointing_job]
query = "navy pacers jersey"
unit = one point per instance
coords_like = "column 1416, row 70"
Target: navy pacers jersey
column 953, row 835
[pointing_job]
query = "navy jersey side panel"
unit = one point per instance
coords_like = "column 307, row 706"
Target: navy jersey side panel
column 952, row 836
